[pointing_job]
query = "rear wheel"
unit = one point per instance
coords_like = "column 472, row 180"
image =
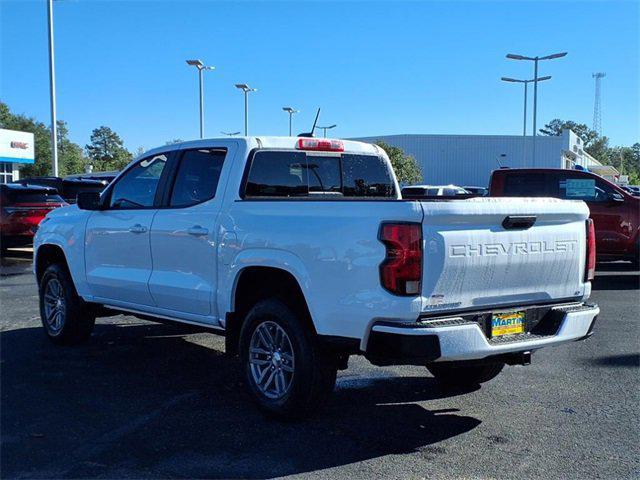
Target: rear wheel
column 65, row 317
column 286, row 371
column 454, row 374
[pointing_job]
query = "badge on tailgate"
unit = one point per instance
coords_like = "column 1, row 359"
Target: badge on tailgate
column 507, row 323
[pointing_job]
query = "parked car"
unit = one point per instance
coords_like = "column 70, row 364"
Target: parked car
column 615, row 213
column 101, row 176
column 632, row 189
column 302, row 253
column 421, row 191
column 21, row 210
column 479, row 191
column 68, row 188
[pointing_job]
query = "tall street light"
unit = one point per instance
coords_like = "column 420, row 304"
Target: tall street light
column 246, row 89
column 535, row 60
column 290, row 111
column 524, row 123
column 324, row 129
column 52, row 89
column 201, row 67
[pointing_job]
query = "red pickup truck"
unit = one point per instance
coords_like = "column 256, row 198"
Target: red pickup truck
column 615, row 213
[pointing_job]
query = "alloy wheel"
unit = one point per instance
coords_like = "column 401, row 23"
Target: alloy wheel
column 54, row 306
column 271, row 359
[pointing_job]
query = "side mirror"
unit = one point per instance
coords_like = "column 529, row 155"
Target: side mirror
column 616, row 197
column 89, row 201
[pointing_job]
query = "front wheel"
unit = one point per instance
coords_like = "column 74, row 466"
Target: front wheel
column 286, row 370
column 65, row 317
column 455, row 374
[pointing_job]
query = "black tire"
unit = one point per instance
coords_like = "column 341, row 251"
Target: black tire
column 73, row 322
column 312, row 377
column 453, row 374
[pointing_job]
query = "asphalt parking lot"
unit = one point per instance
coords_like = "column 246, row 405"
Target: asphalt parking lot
column 146, row 400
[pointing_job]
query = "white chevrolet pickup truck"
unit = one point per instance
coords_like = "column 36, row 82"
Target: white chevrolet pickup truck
column 302, row 252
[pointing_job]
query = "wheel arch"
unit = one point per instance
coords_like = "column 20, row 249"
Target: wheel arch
column 253, row 283
column 48, row 254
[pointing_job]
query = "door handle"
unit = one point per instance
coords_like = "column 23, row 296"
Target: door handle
column 198, row 231
column 137, row 228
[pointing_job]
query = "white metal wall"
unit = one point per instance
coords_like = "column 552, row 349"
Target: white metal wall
column 470, row 159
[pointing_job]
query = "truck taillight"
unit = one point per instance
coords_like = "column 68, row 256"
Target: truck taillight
column 320, row 145
column 590, row 264
column 401, row 270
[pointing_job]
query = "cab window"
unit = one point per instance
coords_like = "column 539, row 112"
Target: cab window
column 300, row 174
column 137, row 187
column 197, row 177
column 526, row 185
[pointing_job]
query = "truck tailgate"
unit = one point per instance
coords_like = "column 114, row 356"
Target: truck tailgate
column 472, row 261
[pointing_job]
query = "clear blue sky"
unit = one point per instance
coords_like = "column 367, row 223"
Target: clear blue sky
column 374, row 68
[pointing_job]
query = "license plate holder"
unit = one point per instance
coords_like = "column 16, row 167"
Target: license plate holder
column 507, row 323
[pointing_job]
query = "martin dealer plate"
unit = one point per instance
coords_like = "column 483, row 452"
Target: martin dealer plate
column 510, row 323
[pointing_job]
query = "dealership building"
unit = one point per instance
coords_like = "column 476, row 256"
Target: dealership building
column 470, row 159
column 16, row 148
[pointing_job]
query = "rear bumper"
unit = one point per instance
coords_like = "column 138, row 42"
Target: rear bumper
column 454, row 339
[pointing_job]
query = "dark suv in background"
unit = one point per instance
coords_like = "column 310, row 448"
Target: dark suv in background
column 615, row 213
column 68, row 188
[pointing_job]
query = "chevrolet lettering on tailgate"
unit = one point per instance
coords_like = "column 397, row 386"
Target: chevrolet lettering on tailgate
column 515, row 248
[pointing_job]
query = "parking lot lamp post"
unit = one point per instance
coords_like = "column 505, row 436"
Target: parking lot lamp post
column 535, row 60
column 324, row 129
column 524, row 123
column 290, row 111
column 52, row 89
column 246, row 89
column 201, row 67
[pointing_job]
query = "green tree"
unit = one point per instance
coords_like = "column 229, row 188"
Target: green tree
column 556, row 126
column 70, row 156
column 106, row 150
column 406, row 167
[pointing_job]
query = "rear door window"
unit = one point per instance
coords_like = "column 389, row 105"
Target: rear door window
column 301, row 174
column 197, row 177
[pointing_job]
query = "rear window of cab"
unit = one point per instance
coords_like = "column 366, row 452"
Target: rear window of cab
column 295, row 174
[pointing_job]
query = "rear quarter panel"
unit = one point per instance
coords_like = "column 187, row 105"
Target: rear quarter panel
column 330, row 247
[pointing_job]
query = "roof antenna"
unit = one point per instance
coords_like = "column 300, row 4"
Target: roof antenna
column 313, row 129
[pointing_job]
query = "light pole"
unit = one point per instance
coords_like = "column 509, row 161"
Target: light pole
column 52, row 89
column 201, row 67
column 535, row 60
column 524, row 123
column 230, row 134
column 324, row 129
column 290, row 111
column 246, row 89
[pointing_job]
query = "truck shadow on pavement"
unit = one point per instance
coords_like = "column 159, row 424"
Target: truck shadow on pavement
column 616, row 276
column 153, row 400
